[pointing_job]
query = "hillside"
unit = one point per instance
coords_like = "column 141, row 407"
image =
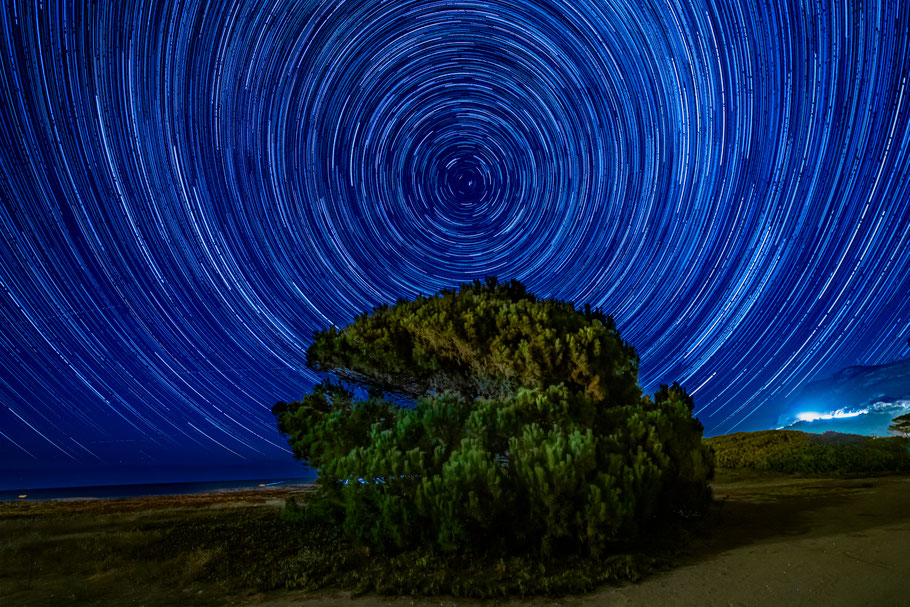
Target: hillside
column 795, row 452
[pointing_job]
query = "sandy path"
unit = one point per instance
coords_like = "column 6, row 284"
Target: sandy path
column 780, row 542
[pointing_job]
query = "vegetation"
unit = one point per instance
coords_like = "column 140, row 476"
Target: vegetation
column 230, row 547
column 484, row 424
column 795, row 452
column 213, row 549
column 900, row 425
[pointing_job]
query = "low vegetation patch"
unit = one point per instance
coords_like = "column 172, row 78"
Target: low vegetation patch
column 794, row 452
column 329, row 559
column 94, row 551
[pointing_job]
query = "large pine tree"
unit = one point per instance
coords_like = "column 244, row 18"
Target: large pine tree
column 490, row 419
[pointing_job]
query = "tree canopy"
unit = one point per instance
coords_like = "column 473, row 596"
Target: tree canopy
column 900, row 425
column 486, row 418
column 486, row 339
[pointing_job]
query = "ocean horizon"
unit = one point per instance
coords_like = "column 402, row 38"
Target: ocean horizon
column 147, row 489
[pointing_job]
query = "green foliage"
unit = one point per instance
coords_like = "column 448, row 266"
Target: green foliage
column 900, row 425
column 526, row 431
column 298, row 552
column 794, row 452
column 486, row 339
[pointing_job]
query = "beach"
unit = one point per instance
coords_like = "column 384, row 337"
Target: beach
column 774, row 540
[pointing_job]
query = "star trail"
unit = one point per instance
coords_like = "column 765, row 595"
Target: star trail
column 190, row 189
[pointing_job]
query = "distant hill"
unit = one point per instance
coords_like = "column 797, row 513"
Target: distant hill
column 859, row 400
column 791, row 452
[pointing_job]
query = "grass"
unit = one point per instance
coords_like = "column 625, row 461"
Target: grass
column 794, row 452
column 76, row 548
column 77, row 551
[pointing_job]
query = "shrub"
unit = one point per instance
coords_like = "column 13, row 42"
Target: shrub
column 492, row 421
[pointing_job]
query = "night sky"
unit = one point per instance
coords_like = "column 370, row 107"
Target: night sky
column 189, row 189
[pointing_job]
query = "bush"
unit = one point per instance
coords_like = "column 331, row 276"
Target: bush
column 492, row 421
column 795, row 452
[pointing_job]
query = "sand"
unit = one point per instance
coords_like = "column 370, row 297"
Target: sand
column 777, row 541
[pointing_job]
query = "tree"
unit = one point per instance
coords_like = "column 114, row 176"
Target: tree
column 900, row 425
column 489, row 419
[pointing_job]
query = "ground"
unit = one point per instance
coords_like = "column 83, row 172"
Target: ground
column 776, row 540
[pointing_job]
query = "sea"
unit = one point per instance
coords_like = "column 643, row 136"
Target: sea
column 139, row 490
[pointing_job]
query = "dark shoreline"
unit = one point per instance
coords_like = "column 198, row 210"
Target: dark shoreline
column 147, row 489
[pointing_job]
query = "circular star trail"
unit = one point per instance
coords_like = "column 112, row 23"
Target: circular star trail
column 190, row 189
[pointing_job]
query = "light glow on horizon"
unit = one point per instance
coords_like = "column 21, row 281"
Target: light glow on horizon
column 811, row 416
